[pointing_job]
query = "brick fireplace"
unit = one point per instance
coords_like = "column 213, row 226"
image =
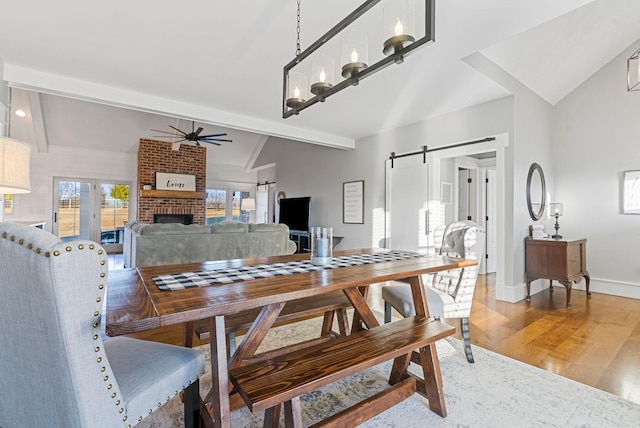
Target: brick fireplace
column 157, row 156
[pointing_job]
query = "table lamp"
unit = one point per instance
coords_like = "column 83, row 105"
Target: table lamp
column 248, row 204
column 556, row 209
column 14, row 169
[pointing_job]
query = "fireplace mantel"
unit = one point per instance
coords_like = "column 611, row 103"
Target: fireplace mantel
column 178, row 194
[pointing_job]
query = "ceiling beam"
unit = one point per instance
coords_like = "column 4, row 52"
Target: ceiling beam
column 37, row 119
column 39, row 81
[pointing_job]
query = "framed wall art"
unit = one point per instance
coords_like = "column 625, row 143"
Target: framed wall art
column 631, row 192
column 353, row 202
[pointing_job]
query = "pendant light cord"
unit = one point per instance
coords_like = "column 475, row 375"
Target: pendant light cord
column 298, row 31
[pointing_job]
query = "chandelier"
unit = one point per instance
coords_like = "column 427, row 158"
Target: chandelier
column 633, row 72
column 311, row 76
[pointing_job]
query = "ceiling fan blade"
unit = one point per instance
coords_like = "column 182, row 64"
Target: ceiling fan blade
column 169, row 136
column 213, row 135
column 182, row 132
column 199, row 130
column 217, row 139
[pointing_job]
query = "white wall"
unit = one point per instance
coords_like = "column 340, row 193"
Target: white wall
column 596, row 137
column 533, row 143
column 320, row 172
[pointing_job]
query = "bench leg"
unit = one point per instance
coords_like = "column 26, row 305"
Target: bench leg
column 293, row 413
column 464, row 332
column 272, row 417
column 432, row 379
column 343, row 321
column 327, row 323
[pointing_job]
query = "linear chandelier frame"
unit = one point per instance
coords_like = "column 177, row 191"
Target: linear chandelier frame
column 397, row 57
column 633, row 72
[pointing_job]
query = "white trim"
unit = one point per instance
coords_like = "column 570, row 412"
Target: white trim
column 516, row 293
column 49, row 83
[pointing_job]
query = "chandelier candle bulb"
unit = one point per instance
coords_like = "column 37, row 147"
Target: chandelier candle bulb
column 399, row 26
column 354, row 67
column 354, row 53
column 322, row 70
column 395, row 44
column 297, row 90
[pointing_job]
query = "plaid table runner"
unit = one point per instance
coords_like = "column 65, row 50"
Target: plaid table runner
column 224, row 276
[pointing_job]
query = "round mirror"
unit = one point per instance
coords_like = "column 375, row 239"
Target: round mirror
column 536, row 191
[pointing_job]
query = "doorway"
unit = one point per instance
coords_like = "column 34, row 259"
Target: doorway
column 411, row 215
column 95, row 210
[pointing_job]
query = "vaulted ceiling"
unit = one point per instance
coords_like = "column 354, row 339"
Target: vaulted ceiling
column 104, row 74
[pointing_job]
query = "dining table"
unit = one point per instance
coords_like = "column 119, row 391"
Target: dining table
column 137, row 302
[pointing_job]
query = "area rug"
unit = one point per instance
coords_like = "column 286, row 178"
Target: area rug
column 495, row 391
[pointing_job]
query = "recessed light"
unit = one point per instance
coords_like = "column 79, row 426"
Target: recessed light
column 20, row 113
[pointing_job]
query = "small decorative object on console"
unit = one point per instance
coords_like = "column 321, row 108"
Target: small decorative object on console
column 537, row 231
column 556, row 209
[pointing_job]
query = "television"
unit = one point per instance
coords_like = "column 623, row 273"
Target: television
column 294, row 212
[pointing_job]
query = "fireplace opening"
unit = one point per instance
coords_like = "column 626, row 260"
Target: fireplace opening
column 173, row 218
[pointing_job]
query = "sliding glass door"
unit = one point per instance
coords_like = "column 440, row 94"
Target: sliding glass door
column 91, row 209
column 225, row 204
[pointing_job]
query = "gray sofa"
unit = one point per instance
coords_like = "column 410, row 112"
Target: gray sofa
column 172, row 243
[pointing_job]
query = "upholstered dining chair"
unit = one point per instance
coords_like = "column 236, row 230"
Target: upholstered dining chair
column 55, row 368
column 449, row 293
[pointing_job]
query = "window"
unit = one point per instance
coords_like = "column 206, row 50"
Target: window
column 224, row 204
column 216, row 206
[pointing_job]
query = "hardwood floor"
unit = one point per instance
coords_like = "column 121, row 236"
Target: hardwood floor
column 596, row 342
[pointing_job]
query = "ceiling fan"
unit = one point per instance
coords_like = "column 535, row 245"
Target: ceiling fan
column 193, row 136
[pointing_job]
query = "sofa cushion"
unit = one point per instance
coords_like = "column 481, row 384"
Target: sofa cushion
column 173, row 229
column 268, row 227
column 230, row 227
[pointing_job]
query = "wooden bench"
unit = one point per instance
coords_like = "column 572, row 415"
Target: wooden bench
column 266, row 384
column 326, row 305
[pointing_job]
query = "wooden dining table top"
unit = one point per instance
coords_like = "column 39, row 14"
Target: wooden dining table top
column 135, row 303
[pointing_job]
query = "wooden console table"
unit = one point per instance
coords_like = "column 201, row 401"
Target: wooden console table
column 563, row 260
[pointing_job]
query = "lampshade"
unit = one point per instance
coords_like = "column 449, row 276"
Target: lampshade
column 248, row 204
column 14, row 166
column 556, row 208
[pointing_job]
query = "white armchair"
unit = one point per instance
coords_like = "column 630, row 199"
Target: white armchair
column 56, row 370
column 449, row 293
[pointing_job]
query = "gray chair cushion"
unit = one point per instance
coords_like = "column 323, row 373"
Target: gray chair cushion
column 400, row 298
column 146, row 371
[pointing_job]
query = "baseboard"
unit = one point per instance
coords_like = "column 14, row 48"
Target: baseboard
column 516, row 293
column 614, row 288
